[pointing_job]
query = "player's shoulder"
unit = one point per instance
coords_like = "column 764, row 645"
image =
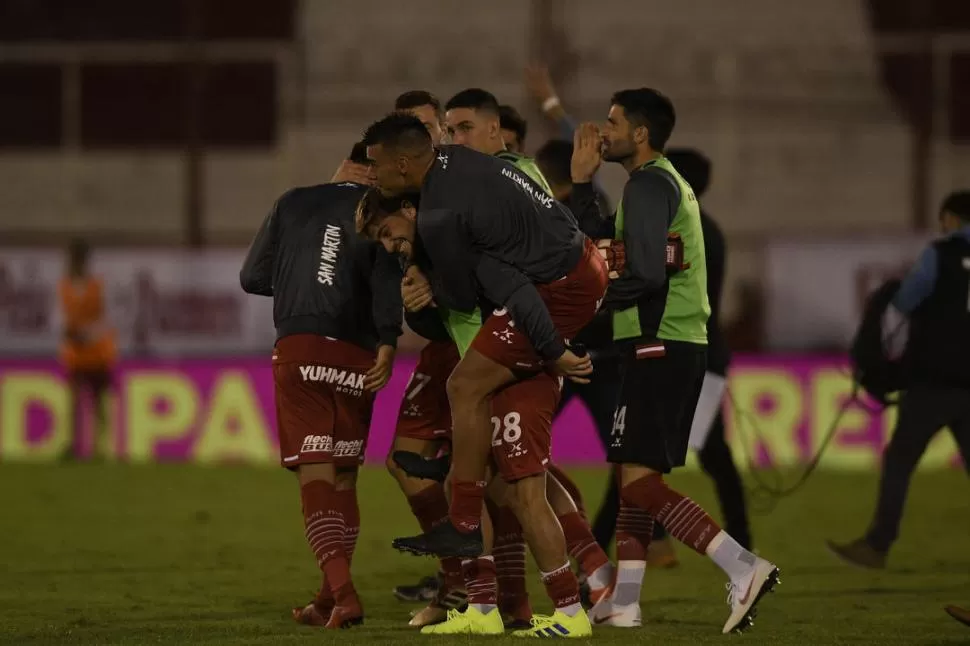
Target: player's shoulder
column 651, row 180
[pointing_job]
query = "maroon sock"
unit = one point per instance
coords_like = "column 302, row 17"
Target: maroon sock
column 480, row 581
column 465, row 510
column 325, row 528
column 562, row 587
column 430, row 507
column 634, row 530
column 509, row 553
column 580, row 543
column 683, row 518
column 347, row 502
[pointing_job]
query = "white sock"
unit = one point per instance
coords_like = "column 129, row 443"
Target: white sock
column 629, row 581
column 602, row 577
column 483, row 608
column 736, row 561
column 571, row 610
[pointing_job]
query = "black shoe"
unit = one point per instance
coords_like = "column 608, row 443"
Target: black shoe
column 424, row 590
column 443, row 541
column 418, row 467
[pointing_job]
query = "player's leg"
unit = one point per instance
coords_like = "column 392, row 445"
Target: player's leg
column 594, row 564
column 716, row 460
column 423, row 425
column 651, row 433
column 75, row 390
column 523, row 420
column 481, row 615
column 323, row 434
column 470, row 389
column 510, row 562
column 100, row 383
column 923, row 411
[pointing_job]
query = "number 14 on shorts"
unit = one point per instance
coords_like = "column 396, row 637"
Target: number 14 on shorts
column 619, row 425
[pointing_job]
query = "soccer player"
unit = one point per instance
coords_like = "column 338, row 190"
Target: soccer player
column 487, row 233
column 337, row 310
column 88, row 352
column 514, row 128
column 660, row 310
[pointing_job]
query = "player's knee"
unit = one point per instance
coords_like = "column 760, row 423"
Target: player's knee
column 463, row 390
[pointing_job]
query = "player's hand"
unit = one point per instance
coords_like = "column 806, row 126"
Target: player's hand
column 348, row 171
column 614, row 253
column 576, row 368
column 378, row 376
column 587, row 153
column 416, row 290
column 539, row 82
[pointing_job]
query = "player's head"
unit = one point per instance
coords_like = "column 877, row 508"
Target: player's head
column 693, row 166
column 400, row 149
column 392, row 221
column 78, row 253
column 473, row 120
column 955, row 211
column 639, row 120
column 513, row 128
column 554, row 160
column 427, row 108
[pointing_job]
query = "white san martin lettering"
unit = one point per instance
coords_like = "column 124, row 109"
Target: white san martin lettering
column 540, row 197
column 328, row 255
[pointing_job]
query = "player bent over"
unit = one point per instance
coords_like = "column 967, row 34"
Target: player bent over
column 337, row 311
column 490, row 234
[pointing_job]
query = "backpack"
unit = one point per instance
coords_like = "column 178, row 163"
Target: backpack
column 878, row 375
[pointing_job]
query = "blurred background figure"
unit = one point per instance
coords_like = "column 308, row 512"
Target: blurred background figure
column 933, row 303
column 514, row 128
column 88, row 350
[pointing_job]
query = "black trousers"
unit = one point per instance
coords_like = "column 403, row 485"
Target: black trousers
column 923, row 410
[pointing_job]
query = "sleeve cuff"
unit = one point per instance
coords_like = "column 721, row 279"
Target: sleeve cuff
column 388, row 336
column 554, row 350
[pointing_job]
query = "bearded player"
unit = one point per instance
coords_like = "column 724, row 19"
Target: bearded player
column 473, row 120
column 660, row 309
column 488, row 234
column 337, row 311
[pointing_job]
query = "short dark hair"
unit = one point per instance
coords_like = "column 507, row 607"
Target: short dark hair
column 693, row 166
column 555, row 160
column 957, row 203
column 398, row 130
column 417, row 98
column 374, row 206
column 648, row 107
column 510, row 119
column 358, row 154
column 475, row 98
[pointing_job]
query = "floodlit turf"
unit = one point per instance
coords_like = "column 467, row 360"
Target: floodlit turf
column 183, row 555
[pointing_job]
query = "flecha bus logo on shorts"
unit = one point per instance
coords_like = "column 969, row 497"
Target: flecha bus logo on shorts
column 317, row 444
column 347, row 448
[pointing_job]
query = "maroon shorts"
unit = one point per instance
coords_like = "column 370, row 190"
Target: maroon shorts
column 425, row 413
column 322, row 410
column 522, row 417
column 572, row 301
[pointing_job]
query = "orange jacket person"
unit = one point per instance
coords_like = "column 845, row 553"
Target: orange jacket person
column 88, row 350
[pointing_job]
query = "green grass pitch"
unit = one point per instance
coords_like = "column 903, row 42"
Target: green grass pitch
column 108, row 554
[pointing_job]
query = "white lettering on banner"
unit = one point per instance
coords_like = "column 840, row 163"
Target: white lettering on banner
column 328, row 255
column 345, row 380
column 173, row 302
column 541, row 197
